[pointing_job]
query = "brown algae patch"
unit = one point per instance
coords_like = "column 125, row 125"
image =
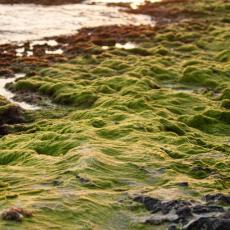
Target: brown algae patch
column 121, row 131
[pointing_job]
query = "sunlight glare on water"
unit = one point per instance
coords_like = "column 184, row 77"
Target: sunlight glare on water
column 29, row 22
column 10, row 96
column 133, row 3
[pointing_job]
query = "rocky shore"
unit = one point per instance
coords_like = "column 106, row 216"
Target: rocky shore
column 133, row 130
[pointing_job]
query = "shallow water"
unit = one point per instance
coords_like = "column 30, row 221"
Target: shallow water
column 133, row 3
column 29, row 22
column 126, row 46
column 10, row 96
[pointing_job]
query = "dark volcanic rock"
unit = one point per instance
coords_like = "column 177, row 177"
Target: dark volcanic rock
column 151, row 204
column 168, row 206
column 209, row 223
column 184, row 212
column 218, row 198
column 187, row 214
column 199, row 209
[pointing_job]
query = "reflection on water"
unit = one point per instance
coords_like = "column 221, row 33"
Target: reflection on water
column 30, row 22
column 57, row 51
column 43, row 42
column 21, row 51
column 133, row 3
column 126, row 46
column 9, row 95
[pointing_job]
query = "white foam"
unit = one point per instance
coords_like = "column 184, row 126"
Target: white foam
column 31, row 22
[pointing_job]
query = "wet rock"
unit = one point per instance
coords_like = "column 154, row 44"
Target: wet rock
column 16, row 214
column 31, row 74
column 199, row 209
column 39, row 50
column 11, row 115
column 6, row 72
column 151, row 204
column 163, row 14
column 218, row 198
column 168, row 206
column 209, row 223
column 184, row 212
column 28, row 97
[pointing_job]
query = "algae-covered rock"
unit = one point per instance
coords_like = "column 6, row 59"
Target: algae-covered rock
column 198, row 76
column 9, row 114
column 225, row 104
column 16, row 214
column 223, row 56
column 151, row 123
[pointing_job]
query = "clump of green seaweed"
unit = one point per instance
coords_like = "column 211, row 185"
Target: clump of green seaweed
column 129, row 121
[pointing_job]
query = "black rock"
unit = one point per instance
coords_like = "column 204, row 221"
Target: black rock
column 208, row 223
column 200, row 209
column 168, row 206
column 180, row 212
column 151, row 204
column 184, row 212
column 218, row 198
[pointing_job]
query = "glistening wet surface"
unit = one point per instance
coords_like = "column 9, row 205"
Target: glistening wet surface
column 10, row 96
column 133, row 3
column 126, row 46
column 28, row 22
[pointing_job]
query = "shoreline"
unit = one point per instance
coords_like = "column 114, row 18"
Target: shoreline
column 139, row 138
column 41, row 2
column 98, row 36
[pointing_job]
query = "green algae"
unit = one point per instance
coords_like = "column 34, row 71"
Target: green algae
column 120, row 130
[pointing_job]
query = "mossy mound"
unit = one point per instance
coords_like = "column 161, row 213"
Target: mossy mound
column 127, row 122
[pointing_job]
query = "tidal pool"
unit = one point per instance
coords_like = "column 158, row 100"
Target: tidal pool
column 10, row 96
